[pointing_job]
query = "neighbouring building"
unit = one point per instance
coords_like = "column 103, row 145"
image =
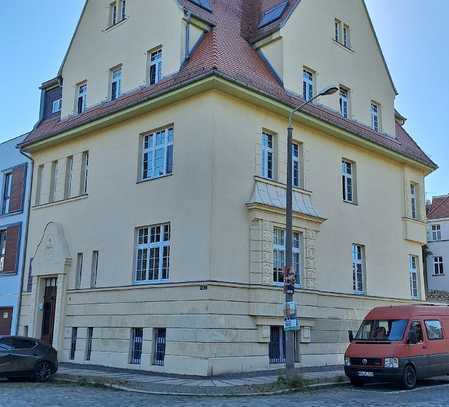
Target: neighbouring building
column 438, row 246
column 15, row 187
column 157, row 229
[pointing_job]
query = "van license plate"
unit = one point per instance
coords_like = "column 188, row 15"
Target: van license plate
column 366, row 374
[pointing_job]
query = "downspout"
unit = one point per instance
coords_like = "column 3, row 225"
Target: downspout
column 19, row 303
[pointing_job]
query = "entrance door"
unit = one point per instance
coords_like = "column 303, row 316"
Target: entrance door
column 5, row 321
column 48, row 317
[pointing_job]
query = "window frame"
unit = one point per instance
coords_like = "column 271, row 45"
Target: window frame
column 308, row 84
column 56, row 106
column 81, row 94
column 79, row 270
column 73, row 340
column 136, row 346
column 438, row 266
column 157, row 63
column 267, row 163
column 115, row 92
column 414, row 276
column 375, row 111
column 414, row 210
column 426, row 321
column 436, row 232
column 7, row 192
column 53, row 181
column 149, row 153
column 38, row 193
column 346, row 36
column 297, row 171
column 159, row 346
column 349, row 180
column 117, row 12
column 143, row 254
column 337, row 30
column 344, row 101
column 356, row 261
column 3, row 237
column 89, row 340
column 94, row 269
column 84, row 182
column 68, row 177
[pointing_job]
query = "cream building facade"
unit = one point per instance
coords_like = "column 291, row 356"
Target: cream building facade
column 156, row 236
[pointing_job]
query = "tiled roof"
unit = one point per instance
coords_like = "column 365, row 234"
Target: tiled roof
column 226, row 51
column 439, row 208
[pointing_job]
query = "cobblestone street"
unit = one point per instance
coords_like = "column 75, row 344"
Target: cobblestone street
column 56, row 395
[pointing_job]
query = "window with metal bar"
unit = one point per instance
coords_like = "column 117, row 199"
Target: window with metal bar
column 135, row 357
column 90, row 334
column 73, row 343
column 160, row 338
column 276, row 347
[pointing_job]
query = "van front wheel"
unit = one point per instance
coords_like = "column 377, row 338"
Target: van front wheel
column 409, row 377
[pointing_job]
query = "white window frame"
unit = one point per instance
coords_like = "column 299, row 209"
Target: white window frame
column 279, row 254
column 344, row 102
column 348, row 181
column 413, row 269
column 358, row 269
column 116, row 79
column 267, row 155
column 79, row 270
column 148, row 240
column 38, row 197
column 53, row 181
column 56, row 105
column 113, row 13
column 308, row 88
column 337, row 34
column 296, row 165
column 3, row 233
column 68, row 177
column 122, row 10
column 136, row 346
column 375, row 116
column 438, row 265
column 436, row 233
column 94, row 268
column 84, row 173
column 414, row 213
column 155, row 59
column 346, row 36
column 7, row 191
column 157, row 153
column 81, row 94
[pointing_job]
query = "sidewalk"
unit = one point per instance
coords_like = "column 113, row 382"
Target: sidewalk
column 217, row 386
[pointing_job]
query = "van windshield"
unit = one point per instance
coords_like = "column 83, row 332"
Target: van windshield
column 382, row 330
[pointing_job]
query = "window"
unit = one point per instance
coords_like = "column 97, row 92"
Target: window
column 117, row 12
column 25, row 331
column 157, row 160
column 155, row 66
column 434, row 330
column 348, row 181
column 436, row 232
column 375, row 116
column 7, row 190
column 113, row 13
column 116, row 83
column 413, row 201
column 68, row 177
column 79, row 270
column 56, row 105
column 276, row 350
column 307, row 85
column 346, row 36
column 438, row 266
column 40, row 171
column 81, row 100
column 337, row 30
column 2, row 250
column 358, row 269
column 413, row 268
column 84, row 173
column 382, row 330
column 90, row 334
column 279, row 256
column 417, row 328
column 153, row 253
column 160, row 340
column 296, row 163
column 267, row 156
column 135, row 356
column 73, row 343
column 122, row 9
column 94, row 273
column 53, row 181
column 344, row 102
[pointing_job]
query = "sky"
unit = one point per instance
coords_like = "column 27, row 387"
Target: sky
column 35, row 35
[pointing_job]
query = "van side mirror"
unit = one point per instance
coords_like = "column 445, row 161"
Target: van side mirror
column 351, row 336
column 412, row 337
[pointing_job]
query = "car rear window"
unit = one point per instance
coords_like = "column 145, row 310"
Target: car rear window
column 434, row 330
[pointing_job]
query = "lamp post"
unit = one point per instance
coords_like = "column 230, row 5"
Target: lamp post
column 289, row 272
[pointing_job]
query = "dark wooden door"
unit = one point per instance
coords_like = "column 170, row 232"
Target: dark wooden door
column 48, row 317
column 5, row 321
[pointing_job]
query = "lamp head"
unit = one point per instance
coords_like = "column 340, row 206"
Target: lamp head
column 329, row 91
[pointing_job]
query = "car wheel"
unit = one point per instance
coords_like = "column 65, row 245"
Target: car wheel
column 357, row 382
column 409, row 377
column 42, row 371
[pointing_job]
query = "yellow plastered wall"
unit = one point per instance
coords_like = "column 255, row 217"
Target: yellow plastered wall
column 96, row 48
column 308, row 41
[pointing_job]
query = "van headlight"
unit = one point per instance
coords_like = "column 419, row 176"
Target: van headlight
column 391, row 363
column 347, row 361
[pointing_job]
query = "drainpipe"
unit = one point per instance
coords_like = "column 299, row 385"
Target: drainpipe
column 19, row 303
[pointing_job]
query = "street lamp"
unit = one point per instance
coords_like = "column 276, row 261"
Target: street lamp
column 289, row 272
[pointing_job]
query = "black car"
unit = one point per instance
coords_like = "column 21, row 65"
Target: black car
column 22, row 358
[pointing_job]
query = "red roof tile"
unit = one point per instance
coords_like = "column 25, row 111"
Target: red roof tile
column 226, row 51
column 439, row 208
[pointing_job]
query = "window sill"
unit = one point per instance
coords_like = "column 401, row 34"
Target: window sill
column 438, row 275
column 6, row 275
column 141, row 181
column 350, row 50
column 61, row 202
column 155, row 282
column 10, row 214
column 354, row 203
column 111, row 27
column 359, row 294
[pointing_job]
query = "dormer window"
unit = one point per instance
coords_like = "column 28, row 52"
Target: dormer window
column 56, row 105
column 155, row 66
column 117, row 12
column 81, row 99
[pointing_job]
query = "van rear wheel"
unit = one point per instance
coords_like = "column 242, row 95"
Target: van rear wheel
column 409, row 377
